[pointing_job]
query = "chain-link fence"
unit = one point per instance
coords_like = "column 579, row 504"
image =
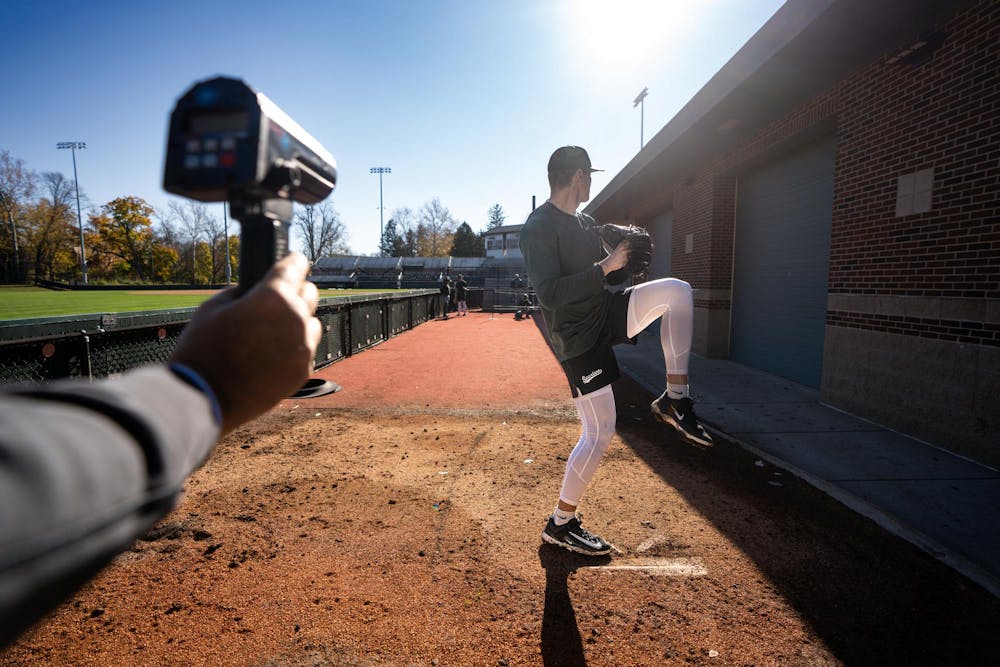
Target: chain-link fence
column 498, row 300
column 104, row 345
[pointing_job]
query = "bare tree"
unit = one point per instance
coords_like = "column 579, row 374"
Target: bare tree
column 51, row 230
column 321, row 231
column 393, row 242
column 404, row 223
column 191, row 218
column 169, row 233
column 58, row 188
column 215, row 234
column 439, row 227
column 17, row 184
column 405, row 219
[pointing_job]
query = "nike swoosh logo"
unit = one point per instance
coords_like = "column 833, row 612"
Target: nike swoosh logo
column 593, row 544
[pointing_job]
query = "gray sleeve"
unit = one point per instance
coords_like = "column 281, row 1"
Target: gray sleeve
column 85, row 468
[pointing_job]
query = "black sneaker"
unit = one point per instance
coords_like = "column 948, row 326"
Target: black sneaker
column 679, row 413
column 571, row 535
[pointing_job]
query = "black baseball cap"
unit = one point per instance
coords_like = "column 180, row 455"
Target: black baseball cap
column 570, row 158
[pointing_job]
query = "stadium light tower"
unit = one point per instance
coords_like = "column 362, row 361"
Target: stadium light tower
column 381, row 210
column 225, row 227
column 638, row 102
column 72, row 146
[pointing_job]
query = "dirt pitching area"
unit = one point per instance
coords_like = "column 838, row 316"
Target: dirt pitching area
column 397, row 522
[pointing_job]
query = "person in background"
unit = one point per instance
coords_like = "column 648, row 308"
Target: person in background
column 86, row 468
column 445, row 295
column 461, row 295
column 516, row 288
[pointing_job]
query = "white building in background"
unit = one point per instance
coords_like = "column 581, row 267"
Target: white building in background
column 504, row 241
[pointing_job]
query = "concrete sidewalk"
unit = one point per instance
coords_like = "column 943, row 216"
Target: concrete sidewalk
column 946, row 505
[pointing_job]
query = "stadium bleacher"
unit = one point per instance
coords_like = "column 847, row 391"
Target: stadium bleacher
column 413, row 272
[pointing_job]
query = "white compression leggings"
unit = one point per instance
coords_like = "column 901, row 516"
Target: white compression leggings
column 668, row 298
column 597, row 416
column 672, row 299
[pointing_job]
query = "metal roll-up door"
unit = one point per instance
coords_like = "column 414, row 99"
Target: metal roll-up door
column 781, row 264
column 661, row 229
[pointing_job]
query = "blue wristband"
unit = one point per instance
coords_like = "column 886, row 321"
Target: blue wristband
column 193, row 378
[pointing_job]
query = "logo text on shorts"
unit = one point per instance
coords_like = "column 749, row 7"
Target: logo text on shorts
column 587, row 378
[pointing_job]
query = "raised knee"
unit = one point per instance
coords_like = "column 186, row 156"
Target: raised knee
column 681, row 285
column 679, row 292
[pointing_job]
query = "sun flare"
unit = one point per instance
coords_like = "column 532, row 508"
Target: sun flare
column 625, row 34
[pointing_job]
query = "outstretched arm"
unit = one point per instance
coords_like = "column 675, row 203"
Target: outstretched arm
column 85, row 468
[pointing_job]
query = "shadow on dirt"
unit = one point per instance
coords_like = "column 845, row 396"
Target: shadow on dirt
column 561, row 640
column 872, row 597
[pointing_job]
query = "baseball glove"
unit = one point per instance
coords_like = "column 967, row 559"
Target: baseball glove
column 640, row 245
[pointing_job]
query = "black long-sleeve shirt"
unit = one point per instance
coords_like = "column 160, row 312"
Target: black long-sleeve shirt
column 561, row 251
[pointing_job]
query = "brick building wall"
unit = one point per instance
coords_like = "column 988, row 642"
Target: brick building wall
column 701, row 242
column 916, row 289
column 913, row 316
column 693, row 217
column 895, row 119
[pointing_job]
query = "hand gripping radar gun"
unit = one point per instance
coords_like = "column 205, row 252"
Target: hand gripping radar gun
column 227, row 142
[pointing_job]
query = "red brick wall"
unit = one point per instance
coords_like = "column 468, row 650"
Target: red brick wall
column 962, row 331
column 890, row 119
column 692, row 215
column 819, row 111
column 895, row 119
column 706, row 209
column 707, row 206
column 721, row 241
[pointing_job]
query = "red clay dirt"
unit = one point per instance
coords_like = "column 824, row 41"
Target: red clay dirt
column 397, row 523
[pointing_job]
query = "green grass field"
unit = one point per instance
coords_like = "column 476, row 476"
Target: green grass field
column 27, row 302
column 19, row 302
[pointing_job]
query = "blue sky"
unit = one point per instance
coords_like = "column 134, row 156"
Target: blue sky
column 463, row 100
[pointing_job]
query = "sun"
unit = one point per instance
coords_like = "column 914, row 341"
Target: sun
column 625, row 34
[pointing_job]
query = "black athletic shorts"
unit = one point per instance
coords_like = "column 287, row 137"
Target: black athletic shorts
column 598, row 367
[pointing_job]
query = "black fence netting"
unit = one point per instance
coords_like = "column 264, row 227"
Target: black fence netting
column 507, row 300
column 39, row 360
column 104, row 345
column 98, row 345
column 332, row 345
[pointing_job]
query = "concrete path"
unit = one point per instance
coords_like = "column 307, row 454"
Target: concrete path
column 947, row 505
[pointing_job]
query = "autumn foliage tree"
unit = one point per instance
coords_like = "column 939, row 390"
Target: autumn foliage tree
column 126, row 239
column 121, row 239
